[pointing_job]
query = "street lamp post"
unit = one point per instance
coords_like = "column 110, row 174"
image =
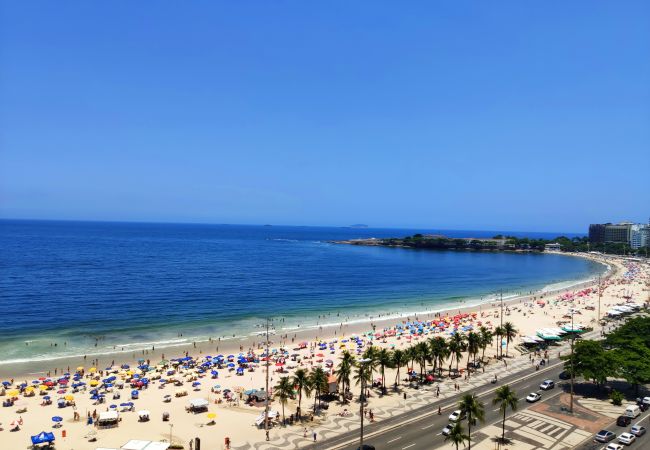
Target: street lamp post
column 266, row 401
column 362, row 397
column 171, row 426
column 573, row 335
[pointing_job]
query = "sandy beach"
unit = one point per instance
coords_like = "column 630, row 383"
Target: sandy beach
column 235, row 418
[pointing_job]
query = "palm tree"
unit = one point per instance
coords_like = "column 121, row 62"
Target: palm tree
column 474, row 410
column 301, row 381
column 412, row 356
column 456, row 435
column 473, row 344
column 399, row 359
column 344, row 371
column 498, row 333
column 505, row 398
column 509, row 331
column 456, row 347
column 283, row 392
column 318, row 381
column 384, row 359
column 422, row 352
column 486, row 339
column 362, row 376
column 371, row 353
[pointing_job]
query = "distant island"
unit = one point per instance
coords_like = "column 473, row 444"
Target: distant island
column 358, row 225
column 496, row 243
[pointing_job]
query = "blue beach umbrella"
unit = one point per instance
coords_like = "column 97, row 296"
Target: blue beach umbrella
column 57, row 419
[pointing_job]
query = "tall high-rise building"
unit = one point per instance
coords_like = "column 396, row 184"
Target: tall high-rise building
column 610, row 232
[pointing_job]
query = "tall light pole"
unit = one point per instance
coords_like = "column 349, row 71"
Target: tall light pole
column 599, row 295
column 171, row 426
column 573, row 336
column 362, row 397
column 501, row 295
column 266, row 401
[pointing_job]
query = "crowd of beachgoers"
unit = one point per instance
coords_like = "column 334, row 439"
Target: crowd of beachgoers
column 221, row 397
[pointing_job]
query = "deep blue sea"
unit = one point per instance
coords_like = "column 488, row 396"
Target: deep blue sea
column 134, row 284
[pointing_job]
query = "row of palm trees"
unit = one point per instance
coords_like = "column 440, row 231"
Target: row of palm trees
column 435, row 351
column 474, row 410
column 302, row 382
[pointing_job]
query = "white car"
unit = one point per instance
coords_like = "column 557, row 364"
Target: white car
column 456, row 416
column 446, row 430
column 533, row 397
column 613, row 447
column 626, row 438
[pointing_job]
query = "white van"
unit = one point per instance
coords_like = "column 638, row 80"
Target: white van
column 632, row 411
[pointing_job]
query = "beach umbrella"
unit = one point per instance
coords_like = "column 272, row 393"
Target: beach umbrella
column 47, row 397
column 196, row 383
column 13, row 393
column 69, row 397
column 57, row 419
column 211, row 415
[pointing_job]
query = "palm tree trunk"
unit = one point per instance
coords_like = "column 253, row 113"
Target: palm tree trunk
column 284, row 422
column 299, row 412
column 469, row 431
column 503, row 427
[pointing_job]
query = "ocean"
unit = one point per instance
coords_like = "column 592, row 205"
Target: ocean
column 77, row 288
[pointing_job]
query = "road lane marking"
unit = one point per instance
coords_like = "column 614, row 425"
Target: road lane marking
column 408, row 446
column 393, row 440
column 427, row 427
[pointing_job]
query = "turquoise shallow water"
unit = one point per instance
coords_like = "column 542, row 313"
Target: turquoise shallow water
column 94, row 286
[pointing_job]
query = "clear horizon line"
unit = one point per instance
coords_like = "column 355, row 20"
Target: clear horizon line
column 412, row 228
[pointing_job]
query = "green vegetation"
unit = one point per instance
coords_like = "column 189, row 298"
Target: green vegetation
column 625, row 353
column 616, row 397
column 505, row 398
column 507, row 243
column 457, row 435
column 474, row 410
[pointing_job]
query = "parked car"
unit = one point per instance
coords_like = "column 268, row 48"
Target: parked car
column 547, row 384
column 564, row 375
column 626, row 438
column 456, row 416
column 446, row 430
column 632, row 411
column 638, row 430
column 533, row 397
column 613, row 447
column 623, row 421
column 605, row 436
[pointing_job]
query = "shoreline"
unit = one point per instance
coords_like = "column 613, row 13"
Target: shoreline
column 286, row 336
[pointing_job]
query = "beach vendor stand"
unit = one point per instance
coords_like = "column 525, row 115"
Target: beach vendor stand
column 108, row 419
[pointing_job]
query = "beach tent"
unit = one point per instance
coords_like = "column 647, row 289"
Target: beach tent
column 108, row 418
column 198, row 404
column 260, row 419
column 42, row 438
column 136, row 444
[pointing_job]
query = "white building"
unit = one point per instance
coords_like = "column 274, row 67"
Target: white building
column 553, row 247
column 639, row 236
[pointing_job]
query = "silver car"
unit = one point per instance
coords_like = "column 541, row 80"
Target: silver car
column 638, row 430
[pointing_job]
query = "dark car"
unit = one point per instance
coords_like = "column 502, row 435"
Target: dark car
column 366, row 447
column 605, row 436
column 623, row 421
column 564, row 375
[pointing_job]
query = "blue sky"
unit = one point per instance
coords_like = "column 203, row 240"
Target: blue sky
column 446, row 114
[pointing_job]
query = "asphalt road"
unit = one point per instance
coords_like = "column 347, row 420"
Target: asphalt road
column 424, row 427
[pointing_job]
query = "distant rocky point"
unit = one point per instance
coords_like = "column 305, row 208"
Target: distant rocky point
column 358, row 225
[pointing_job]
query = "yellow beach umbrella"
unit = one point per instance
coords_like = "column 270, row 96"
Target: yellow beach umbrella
column 42, row 387
column 69, row 397
column 93, row 369
column 13, row 392
column 211, row 415
column 94, row 382
column 29, row 389
column 80, row 368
